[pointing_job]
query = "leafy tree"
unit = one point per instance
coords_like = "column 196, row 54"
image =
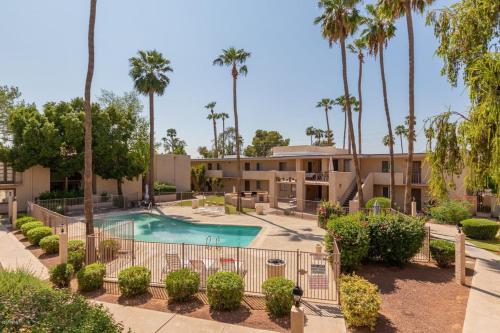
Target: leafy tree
column 205, row 152
column 223, row 116
column 264, row 141
column 172, row 144
column 213, row 117
column 327, row 104
column 9, row 98
column 236, row 59
column 358, row 47
column 149, row 72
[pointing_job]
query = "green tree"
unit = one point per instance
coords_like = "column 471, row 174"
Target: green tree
column 379, row 29
column 264, row 141
column 205, row 152
column 318, row 135
column 327, row 104
column 149, row 72
column 310, row 133
column 340, row 101
column 358, row 47
column 9, row 98
column 236, row 59
column 140, row 148
column 213, row 117
column 172, row 144
column 401, row 131
column 223, row 116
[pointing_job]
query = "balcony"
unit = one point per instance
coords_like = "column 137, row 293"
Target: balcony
column 317, row 177
column 286, row 176
column 214, row 173
column 417, row 179
column 384, row 178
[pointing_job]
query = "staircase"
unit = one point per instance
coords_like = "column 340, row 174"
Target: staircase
column 350, row 196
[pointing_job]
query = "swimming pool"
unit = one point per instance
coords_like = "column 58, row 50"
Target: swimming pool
column 165, row 229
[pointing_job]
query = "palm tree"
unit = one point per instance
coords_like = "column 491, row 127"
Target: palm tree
column 396, row 9
column 87, row 174
column 386, row 142
column 326, row 104
column 401, row 131
column 340, row 101
column 149, row 72
column 357, row 47
column 318, row 135
column 339, row 20
column 310, row 132
column 235, row 58
column 213, row 116
column 378, row 31
column 223, row 116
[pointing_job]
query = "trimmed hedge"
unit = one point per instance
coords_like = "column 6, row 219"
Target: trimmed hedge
column 91, row 277
column 360, row 301
column 23, row 220
column 76, row 245
column 76, row 254
column 352, row 236
column 451, row 211
column 278, row 295
column 35, row 235
column 50, row 244
column 443, row 252
column 60, row 275
column 382, row 201
column 108, row 249
column 30, row 225
column 480, row 228
column 134, row 280
column 182, row 284
column 225, row 290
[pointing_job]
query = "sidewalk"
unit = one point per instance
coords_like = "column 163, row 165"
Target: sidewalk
column 483, row 306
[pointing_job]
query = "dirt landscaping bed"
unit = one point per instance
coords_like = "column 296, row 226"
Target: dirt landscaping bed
column 419, row 297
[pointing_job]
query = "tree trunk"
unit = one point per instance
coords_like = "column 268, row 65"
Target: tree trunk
column 66, row 184
column 237, row 133
column 311, row 139
column 411, row 113
column 389, row 125
column 223, row 137
column 87, row 174
column 119, row 183
column 360, row 98
column 349, row 120
column 215, row 135
column 401, row 141
column 345, row 126
column 151, row 147
column 328, row 134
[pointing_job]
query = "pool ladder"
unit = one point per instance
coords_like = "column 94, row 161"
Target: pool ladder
column 208, row 241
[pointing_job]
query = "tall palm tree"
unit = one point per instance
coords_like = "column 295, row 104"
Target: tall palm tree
column 401, row 131
column 213, row 116
column 318, row 135
column 396, row 9
column 87, row 173
column 149, row 72
column 235, row 59
column 340, row 101
column 339, row 20
column 310, row 133
column 327, row 104
column 379, row 29
column 223, row 116
column 358, row 47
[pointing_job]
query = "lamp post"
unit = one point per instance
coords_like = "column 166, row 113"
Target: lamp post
column 297, row 293
column 297, row 314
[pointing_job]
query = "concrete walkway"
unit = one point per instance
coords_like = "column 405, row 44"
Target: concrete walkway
column 483, row 306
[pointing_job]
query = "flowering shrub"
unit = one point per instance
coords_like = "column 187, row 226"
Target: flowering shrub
column 326, row 210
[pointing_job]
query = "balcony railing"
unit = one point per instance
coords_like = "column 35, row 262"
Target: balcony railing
column 317, row 176
column 416, row 178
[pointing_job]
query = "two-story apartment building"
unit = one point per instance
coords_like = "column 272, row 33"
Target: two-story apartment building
column 308, row 174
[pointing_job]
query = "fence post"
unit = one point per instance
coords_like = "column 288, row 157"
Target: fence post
column 63, row 245
column 460, row 258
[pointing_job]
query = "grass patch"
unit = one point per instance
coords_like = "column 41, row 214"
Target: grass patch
column 212, row 200
column 489, row 245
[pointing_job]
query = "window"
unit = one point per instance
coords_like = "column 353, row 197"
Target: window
column 247, row 166
column 347, row 165
column 247, row 185
column 209, row 166
column 385, row 166
column 258, row 166
column 385, row 192
column 218, row 166
column 309, row 167
column 258, row 185
column 282, row 166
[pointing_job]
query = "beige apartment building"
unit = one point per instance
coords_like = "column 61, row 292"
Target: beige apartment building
column 308, row 174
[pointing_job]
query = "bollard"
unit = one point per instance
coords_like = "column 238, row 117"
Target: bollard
column 413, row 208
column 14, row 213
column 10, row 207
column 297, row 320
column 195, row 203
column 63, row 246
column 460, row 258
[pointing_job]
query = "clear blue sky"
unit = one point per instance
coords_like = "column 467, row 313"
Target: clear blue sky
column 44, row 53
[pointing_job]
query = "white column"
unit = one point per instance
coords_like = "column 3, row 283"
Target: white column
column 460, row 258
column 14, row 213
column 63, row 247
column 297, row 320
column 413, row 208
column 10, row 199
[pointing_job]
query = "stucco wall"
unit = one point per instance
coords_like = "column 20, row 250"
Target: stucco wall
column 174, row 169
column 110, row 187
column 35, row 181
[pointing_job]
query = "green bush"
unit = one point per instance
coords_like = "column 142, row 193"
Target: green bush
column 118, row 202
column 480, row 228
column 76, row 245
column 134, row 280
column 451, row 211
column 76, row 254
column 182, row 284
column 91, row 277
column 382, row 201
column 395, row 238
column 326, row 210
column 160, row 188
column 278, row 295
column 60, row 194
column 23, row 220
column 225, row 290
column 18, row 281
column 351, row 234
column 60, row 275
column 108, row 249
column 36, row 234
column 360, row 301
column 30, row 225
column 443, row 252
column 50, row 244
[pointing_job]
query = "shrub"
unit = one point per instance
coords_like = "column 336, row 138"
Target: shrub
column 30, row 225
column 480, row 228
column 75, row 245
column 443, row 252
column 108, row 249
column 164, row 188
column 60, row 275
column 395, row 238
column 278, row 295
column 36, row 234
column 76, row 259
column 134, row 280
column 23, row 220
column 60, row 194
column 50, row 244
column 182, row 284
column 225, row 290
column 20, row 280
column 360, row 301
column 326, row 210
column 351, row 234
column 91, row 277
column 451, row 211
column 382, row 201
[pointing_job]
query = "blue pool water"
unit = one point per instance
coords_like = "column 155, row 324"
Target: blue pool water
column 165, row 229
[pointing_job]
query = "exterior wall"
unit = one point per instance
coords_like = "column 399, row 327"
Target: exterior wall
column 174, row 169
column 109, row 186
column 35, row 181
